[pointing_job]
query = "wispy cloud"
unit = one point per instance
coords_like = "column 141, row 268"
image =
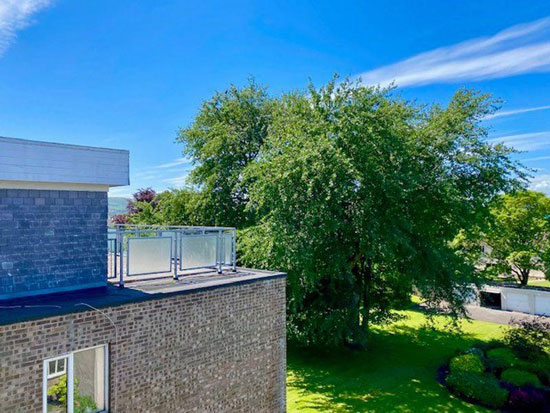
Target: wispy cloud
column 541, row 183
column 523, row 48
column 180, row 180
column 516, row 111
column 15, row 15
column 525, row 141
column 175, row 162
column 173, row 173
column 538, row 158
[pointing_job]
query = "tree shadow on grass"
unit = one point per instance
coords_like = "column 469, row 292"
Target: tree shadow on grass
column 397, row 373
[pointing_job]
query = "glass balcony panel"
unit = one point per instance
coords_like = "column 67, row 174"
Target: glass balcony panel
column 198, row 251
column 228, row 248
column 149, row 255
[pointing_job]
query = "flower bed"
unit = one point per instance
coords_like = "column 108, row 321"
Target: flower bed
column 499, row 377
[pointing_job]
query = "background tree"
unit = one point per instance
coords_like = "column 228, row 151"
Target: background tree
column 359, row 197
column 171, row 207
column 520, row 234
column 225, row 136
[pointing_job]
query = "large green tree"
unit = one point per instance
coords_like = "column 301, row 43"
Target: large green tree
column 520, row 234
column 225, row 136
column 359, row 196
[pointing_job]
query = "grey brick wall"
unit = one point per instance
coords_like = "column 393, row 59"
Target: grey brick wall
column 51, row 240
column 221, row 350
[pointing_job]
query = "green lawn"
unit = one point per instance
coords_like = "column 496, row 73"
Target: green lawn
column 397, row 373
column 537, row 283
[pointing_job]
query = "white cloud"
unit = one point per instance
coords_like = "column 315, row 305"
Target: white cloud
column 525, row 141
column 178, row 180
column 176, row 162
column 538, row 158
column 541, row 183
column 15, row 15
column 519, row 49
column 516, row 111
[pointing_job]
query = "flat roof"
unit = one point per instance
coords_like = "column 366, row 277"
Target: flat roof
column 24, row 160
column 38, row 307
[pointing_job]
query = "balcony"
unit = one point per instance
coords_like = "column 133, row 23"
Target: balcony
column 146, row 252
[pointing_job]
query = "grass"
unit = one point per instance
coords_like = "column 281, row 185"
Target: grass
column 534, row 282
column 539, row 283
column 397, row 373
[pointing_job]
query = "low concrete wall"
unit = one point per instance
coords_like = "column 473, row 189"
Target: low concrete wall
column 525, row 300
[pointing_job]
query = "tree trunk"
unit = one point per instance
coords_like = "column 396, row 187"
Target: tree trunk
column 368, row 276
column 524, row 279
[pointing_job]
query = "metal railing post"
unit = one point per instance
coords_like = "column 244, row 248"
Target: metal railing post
column 234, row 252
column 120, row 235
column 115, row 256
column 175, row 255
column 219, row 250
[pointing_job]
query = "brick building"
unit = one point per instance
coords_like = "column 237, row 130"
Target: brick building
column 189, row 331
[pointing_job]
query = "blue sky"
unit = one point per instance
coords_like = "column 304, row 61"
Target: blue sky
column 128, row 73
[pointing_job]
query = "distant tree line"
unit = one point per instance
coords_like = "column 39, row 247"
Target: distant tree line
column 359, row 195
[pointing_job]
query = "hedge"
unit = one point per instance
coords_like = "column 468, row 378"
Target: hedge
column 466, row 362
column 481, row 388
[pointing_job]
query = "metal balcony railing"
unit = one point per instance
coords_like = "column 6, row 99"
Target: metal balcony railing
column 137, row 250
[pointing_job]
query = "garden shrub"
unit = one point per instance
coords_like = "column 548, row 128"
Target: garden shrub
column 520, row 378
column 481, row 388
column 527, row 399
column 539, row 366
column 502, row 358
column 529, row 338
column 466, row 362
column 476, row 351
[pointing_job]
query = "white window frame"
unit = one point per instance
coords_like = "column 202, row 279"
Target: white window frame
column 69, row 369
column 57, row 371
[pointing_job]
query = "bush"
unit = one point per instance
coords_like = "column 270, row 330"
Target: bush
column 483, row 389
column 466, row 362
column 529, row 338
column 502, row 358
column 476, row 351
column 527, row 399
column 520, row 378
column 539, row 366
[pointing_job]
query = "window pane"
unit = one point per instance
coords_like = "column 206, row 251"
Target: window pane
column 51, row 368
column 89, row 380
column 57, row 389
column 60, row 365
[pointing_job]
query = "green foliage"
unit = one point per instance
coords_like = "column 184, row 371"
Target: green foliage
column 502, row 358
column 226, row 135
column 529, row 338
column 59, row 390
column 483, row 389
column 519, row 234
column 520, row 377
column 469, row 363
column 357, row 194
column 82, row 403
column 174, row 207
column 362, row 194
column 539, row 365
